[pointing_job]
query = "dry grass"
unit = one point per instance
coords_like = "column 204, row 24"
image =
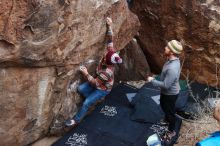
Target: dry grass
column 191, row 133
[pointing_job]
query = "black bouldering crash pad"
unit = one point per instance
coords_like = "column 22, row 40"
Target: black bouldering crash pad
column 110, row 124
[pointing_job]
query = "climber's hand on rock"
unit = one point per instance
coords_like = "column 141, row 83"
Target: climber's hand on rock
column 109, row 21
column 84, row 70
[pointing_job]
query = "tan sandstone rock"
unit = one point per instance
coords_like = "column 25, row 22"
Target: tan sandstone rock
column 196, row 23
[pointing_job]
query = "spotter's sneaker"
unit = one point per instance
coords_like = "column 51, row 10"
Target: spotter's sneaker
column 185, row 115
column 70, row 122
column 163, row 122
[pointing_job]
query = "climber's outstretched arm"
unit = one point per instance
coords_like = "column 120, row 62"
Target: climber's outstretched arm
column 109, row 34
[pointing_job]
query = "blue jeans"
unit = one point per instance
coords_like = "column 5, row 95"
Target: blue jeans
column 92, row 95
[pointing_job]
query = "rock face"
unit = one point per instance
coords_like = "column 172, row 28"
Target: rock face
column 194, row 22
column 25, row 104
column 42, row 43
column 135, row 66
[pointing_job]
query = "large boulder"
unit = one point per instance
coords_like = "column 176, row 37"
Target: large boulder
column 43, row 33
column 42, row 43
column 195, row 23
column 25, row 105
